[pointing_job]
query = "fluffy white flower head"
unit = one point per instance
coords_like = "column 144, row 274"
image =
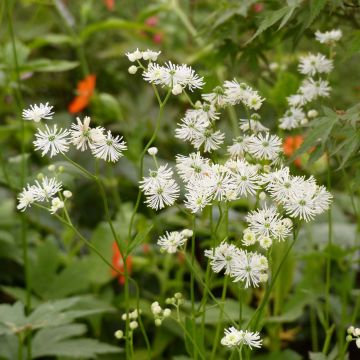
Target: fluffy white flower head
column 38, row 112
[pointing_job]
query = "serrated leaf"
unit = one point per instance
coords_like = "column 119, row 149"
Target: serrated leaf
column 316, row 6
column 269, row 19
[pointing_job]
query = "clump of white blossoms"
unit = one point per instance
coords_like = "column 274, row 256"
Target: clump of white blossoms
column 160, row 188
column 103, row 145
column 236, row 338
column 248, row 267
column 328, row 37
column 171, row 241
column 38, row 112
column 311, row 88
column 353, row 335
column 42, row 191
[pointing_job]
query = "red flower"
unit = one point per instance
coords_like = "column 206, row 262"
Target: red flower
column 258, row 7
column 118, row 263
column 110, row 4
column 291, row 144
column 85, row 90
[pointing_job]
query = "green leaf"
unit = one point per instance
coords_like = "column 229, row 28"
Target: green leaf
column 319, row 132
column 317, row 356
column 112, row 24
column 54, row 342
column 139, row 238
column 12, row 318
column 43, row 269
column 316, row 6
column 47, row 65
column 269, row 19
column 193, row 341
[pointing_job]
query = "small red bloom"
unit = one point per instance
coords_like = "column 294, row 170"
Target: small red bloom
column 118, row 263
column 291, row 144
column 258, row 7
column 85, row 90
column 110, row 4
column 146, row 248
column 152, row 21
column 157, row 38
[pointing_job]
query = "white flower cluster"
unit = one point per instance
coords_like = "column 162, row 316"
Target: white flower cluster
column 159, row 313
column 248, row 267
column 173, row 76
column 53, row 141
column 171, row 241
column 328, row 37
column 354, row 334
column 235, row 338
column 311, row 88
column 42, row 191
column 133, row 316
column 147, row 55
column 160, row 188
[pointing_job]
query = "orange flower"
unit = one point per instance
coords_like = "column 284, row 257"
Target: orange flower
column 291, row 144
column 85, row 89
column 110, row 4
column 118, row 263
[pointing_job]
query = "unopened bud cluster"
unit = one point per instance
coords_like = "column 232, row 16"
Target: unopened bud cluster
column 353, row 334
column 159, row 313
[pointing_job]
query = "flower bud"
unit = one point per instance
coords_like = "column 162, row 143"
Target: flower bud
column 67, row 194
column 133, row 325
column 119, row 334
column 177, row 89
column 132, row 69
column 187, row 233
column 167, row 312
column 51, row 167
column 312, row 113
column 152, row 151
column 158, row 322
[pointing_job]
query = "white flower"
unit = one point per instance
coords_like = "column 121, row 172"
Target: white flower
column 252, row 125
column 249, row 238
column 239, row 147
column 315, row 88
column 83, row 136
column 150, row 55
column 328, row 37
column 67, row 194
column 162, row 194
column 198, row 196
column 109, row 148
column 236, row 338
column 297, row 100
column 135, row 55
column 172, row 75
column 160, row 188
column 267, row 222
column 210, row 139
column 54, row 141
column 222, row 257
column 315, row 64
column 192, row 125
column 216, row 98
column 38, row 192
column 56, row 204
column 47, row 188
column 249, row 267
column 242, row 93
column 171, row 241
column 292, row 118
column 38, row 112
column 192, row 166
column 245, row 177
column 265, row 147
column 27, row 197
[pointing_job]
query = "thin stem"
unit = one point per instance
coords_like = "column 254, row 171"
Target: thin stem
column 328, row 261
column 83, row 170
column 220, row 320
column 23, row 165
column 192, row 280
column 258, row 313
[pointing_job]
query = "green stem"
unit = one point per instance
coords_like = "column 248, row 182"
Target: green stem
column 258, row 313
column 220, row 320
column 328, row 261
column 192, row 282
column 314, row 332
column 23, row 165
